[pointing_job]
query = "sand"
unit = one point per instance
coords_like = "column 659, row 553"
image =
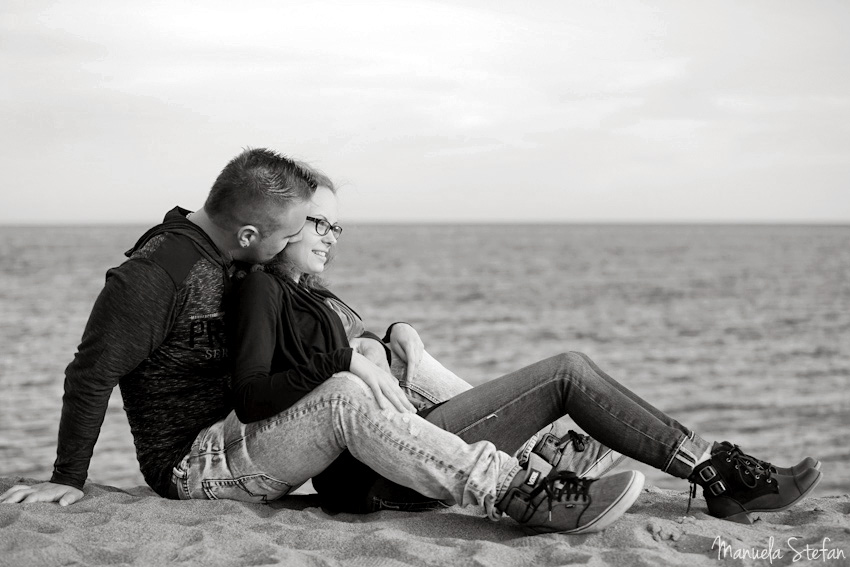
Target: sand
column 111, row 526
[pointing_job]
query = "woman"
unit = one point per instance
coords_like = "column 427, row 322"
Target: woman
column 288, row 338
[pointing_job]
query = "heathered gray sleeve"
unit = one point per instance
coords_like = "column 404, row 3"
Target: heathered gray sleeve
column 130, row 318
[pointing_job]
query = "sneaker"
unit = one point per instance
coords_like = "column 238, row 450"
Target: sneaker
column 546, row 500
column 579, row 453
column 735, row 485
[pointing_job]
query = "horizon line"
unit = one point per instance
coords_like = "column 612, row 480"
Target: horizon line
column 480, row 222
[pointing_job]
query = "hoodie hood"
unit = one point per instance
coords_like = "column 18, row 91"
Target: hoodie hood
column 175, row 222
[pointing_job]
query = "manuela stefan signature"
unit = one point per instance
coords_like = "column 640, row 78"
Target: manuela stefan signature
column 771, row 552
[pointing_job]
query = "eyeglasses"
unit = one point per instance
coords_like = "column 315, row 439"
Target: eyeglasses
column 323, row 227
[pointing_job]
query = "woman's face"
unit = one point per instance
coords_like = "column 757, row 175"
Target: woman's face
column 310, row 254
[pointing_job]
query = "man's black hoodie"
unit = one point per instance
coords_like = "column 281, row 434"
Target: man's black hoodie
column 157, row 331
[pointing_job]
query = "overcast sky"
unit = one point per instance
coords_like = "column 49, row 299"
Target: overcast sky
column 439, row 111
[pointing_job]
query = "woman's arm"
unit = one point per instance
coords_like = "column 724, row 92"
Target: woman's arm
column 373, row 349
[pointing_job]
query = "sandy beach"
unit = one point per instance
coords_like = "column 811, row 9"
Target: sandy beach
column 752, row 351
column 111, row 526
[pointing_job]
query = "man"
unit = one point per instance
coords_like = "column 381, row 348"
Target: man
column 157, row 328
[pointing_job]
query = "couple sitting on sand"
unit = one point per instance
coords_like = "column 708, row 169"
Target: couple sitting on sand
column 243, row 377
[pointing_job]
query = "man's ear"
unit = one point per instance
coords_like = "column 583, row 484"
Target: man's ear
column 247, row 235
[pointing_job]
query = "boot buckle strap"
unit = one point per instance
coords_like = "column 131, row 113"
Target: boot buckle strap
column 717, row 488
column 708, row 473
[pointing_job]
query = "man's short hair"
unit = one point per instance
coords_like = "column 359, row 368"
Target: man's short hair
column 321, row 179
column 254, row 186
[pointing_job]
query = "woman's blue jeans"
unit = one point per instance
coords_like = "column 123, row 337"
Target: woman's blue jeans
column 509, row 410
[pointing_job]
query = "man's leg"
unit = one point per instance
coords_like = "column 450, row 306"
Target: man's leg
column 265, row 460
column 346, row 485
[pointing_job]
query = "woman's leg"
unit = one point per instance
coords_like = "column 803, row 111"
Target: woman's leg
column 432, row 384
column 660, row 415
column 510, row 409
column 735, row 484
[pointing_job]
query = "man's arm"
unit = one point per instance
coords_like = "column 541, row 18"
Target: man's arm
column 130, row 318
column 405, row 343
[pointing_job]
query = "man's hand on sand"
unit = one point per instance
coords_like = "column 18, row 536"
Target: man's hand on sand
column 42, row 492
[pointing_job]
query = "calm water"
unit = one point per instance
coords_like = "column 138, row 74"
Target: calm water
column 741, row 332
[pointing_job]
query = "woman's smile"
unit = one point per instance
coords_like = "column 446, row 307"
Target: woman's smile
column 311, row 254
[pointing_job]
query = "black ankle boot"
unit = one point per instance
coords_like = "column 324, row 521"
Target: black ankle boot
column 735, row 485
column 799, row 468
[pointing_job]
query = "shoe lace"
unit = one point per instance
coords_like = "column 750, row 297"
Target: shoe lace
column 763, row 464
column 577, row 439
column 561, row 487
column 692, row 493
column 750, row 470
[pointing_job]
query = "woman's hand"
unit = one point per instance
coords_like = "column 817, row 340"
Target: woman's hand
column 42, row 492
column 385, row 388
column 407, row 346
column 373, row 350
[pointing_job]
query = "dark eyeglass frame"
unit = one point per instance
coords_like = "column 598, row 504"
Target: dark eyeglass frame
column 323, row 227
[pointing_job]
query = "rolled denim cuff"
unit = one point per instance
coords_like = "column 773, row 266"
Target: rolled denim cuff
column 502, row 486
column 686, row 455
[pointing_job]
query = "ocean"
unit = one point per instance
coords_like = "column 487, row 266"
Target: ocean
column 740, row 332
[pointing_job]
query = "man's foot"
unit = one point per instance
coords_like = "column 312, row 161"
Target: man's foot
column 581, row 454
column 735, row 484
column 545, row 500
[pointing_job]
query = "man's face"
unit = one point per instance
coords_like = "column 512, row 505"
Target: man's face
column 291, row 220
